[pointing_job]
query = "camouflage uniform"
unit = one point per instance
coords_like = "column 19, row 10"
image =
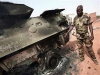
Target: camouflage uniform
column 81, row 25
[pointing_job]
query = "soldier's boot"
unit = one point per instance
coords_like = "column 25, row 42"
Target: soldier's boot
column 92, row 54
column 95, row 61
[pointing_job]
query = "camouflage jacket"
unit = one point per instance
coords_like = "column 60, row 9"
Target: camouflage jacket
column 81, row 23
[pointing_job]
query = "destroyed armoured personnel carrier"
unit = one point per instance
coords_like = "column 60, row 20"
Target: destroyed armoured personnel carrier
column 25, row 40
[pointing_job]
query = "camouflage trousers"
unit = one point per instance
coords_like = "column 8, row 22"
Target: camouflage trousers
column 88, row 43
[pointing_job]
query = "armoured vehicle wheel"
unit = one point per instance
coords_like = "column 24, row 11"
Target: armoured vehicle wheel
column 52, row 60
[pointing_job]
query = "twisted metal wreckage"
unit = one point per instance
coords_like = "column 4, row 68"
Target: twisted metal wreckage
column 25, row 40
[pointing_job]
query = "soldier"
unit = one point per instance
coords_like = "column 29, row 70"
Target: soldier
column 82, row 22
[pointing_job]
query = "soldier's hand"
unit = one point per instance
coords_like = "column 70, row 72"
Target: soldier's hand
column 91, row 37
column 66, row 34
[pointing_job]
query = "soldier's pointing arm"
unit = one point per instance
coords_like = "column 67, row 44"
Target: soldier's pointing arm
column 91, row 28
column 71, row 27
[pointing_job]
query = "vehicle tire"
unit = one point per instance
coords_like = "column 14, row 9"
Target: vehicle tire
column 52, row 60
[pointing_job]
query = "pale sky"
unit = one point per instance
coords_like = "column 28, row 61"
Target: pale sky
column 69, row 5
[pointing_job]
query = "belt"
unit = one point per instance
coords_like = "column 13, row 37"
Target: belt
column 82, row 36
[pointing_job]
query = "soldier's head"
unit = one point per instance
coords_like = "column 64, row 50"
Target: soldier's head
column 79, row 10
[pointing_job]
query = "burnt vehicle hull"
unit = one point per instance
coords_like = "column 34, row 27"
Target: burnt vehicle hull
column 32, row 39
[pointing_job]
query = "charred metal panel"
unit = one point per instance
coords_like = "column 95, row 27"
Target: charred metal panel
column 14, row 60
column 51, row 12
column 13, row 10
column 26, row 33
column 11, row 13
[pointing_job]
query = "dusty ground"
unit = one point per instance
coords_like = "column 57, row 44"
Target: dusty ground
column 88, row 67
